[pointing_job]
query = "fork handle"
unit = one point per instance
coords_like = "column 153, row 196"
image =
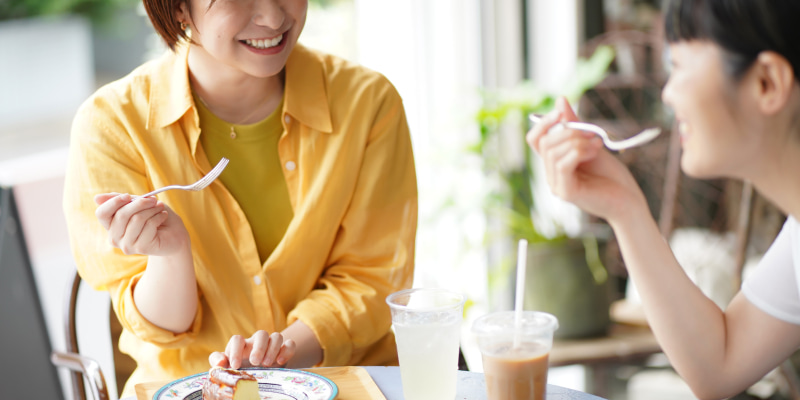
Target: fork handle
column 163, row 189
column 584, row 126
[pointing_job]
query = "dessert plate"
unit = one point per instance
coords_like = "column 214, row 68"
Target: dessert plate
column 273, row 384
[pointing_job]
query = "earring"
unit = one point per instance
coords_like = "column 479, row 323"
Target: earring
column 183, row 26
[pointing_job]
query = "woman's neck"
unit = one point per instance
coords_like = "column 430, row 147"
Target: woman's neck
column 233, row 95
column 775, row 171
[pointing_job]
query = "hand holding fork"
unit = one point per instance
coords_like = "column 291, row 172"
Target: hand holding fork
column 633, row 141
column 144, row 225
column 201, row 184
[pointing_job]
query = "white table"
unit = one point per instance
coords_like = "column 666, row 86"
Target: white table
column 470, row 386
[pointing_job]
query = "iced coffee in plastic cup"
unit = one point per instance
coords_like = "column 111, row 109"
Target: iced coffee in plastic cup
column 515, row 356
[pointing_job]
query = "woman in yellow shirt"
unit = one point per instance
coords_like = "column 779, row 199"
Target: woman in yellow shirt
column 302, row 237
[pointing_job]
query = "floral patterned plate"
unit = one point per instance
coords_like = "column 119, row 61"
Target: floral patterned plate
column 273, row 384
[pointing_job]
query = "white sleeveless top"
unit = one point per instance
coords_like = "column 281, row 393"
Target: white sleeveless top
column 773, row 285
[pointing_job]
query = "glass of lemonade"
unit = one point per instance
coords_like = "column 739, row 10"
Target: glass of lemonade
column 515, row 356
column 427, row 325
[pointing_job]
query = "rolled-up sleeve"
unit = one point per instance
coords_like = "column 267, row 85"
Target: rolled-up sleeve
column 104, row 158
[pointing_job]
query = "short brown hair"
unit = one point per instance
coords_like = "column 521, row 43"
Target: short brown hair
column 162, row 14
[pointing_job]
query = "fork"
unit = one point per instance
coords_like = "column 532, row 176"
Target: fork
column 201, row 183
column 616, row 145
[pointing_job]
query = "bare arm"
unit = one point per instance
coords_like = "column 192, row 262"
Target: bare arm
column 166, row 294
column 718, row 354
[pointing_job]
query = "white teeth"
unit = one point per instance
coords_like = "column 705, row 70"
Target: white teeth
column 264, row 43
column 683, row 128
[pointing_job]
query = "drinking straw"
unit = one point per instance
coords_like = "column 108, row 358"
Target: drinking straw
column 522, row 253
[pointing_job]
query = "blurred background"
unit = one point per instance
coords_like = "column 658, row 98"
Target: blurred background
column 469, row 71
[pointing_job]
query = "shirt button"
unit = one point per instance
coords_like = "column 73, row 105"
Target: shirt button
column 287, row 118
column 257, row 280
column 290, row 165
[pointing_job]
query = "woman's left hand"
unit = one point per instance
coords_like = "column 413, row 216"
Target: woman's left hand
column 260, row 350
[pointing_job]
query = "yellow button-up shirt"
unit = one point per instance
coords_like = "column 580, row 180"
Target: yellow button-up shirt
column 348, row 164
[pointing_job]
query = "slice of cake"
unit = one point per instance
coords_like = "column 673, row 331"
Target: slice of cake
column 230, row 384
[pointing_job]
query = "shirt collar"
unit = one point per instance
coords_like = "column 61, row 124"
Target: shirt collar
column 170, row 93
column 306, row 98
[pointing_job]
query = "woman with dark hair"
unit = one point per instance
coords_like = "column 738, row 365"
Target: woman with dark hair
column 299, row 241
column 734, row 89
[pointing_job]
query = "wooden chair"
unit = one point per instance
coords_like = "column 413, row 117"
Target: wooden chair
column 71, row 359
column 84, row 369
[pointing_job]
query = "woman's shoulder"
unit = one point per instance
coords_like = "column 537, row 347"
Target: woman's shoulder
column 133, row 88
column 345, row 76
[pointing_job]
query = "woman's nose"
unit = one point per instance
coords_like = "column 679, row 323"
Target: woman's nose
column 667, row 92
column 268, row 13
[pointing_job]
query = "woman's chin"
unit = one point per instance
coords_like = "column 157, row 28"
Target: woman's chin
column 696, row 169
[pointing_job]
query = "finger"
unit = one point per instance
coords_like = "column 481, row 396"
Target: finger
column 286, row 353
column 105, row 212
column 542, row 128
column 149, row 232
column 103, row 197
column 218, row 359
column 129, row 243
column 566, row 165
column 275, row 343
column 234, row 351
column 566, row 111
column 259, row 341
column 122, row 219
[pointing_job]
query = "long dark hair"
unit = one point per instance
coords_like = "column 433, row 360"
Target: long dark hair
column 742, row 28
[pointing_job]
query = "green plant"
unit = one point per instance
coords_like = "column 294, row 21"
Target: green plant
column 95, row 10
column 514, row 203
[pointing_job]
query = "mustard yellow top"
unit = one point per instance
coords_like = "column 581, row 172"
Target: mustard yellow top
column 255, row 177
column 348, row 164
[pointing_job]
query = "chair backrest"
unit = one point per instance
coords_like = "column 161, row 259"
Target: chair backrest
column 123, row 365
column 71, row 334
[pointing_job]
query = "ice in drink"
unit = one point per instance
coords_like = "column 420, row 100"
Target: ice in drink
column 428, row 359
column 516, row 374
column 427, row 326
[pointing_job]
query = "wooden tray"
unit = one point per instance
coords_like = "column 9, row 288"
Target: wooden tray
column 354, row 383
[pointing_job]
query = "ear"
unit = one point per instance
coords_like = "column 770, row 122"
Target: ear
column 182, row 13
column 775, row 81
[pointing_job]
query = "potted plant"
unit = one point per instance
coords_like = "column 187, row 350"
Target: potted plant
column 96, row 10
column 565, row 275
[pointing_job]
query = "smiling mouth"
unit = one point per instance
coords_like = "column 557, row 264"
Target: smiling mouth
column 263, row 43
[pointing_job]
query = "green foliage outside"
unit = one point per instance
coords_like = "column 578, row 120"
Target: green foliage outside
column 514, row 202
column 95, row 10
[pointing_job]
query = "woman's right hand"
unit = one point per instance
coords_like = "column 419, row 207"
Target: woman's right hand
column 262, row 349
column 140, row 225
column 580, row 170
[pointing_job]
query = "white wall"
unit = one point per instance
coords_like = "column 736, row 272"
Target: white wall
column 431, row 51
